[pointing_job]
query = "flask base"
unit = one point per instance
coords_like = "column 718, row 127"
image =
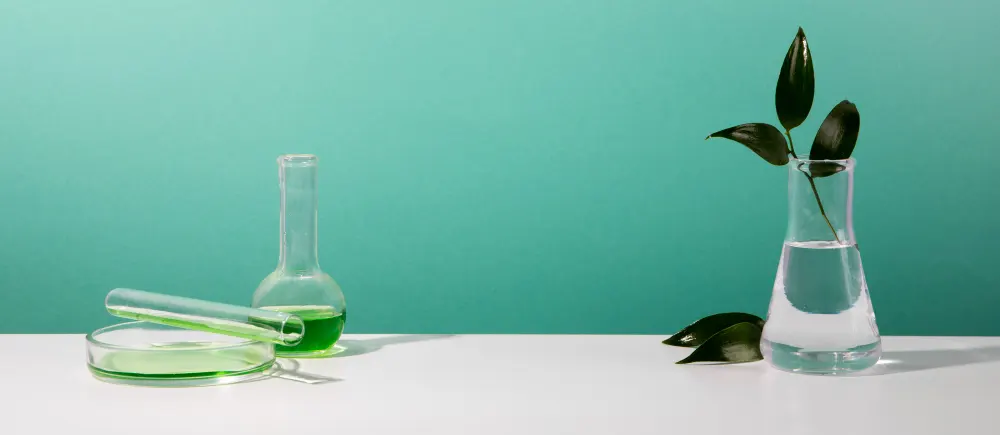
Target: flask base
column 323, row 327
column 821, row 362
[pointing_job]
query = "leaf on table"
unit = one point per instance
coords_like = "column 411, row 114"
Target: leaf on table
column 763, row 139
column 700, row 331
column 793, row 96
column 736, row 344
column 835, row 139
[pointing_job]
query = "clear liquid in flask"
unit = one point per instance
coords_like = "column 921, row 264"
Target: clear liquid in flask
column 821, row 319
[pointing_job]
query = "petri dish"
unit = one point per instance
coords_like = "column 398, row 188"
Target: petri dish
column 151, row 354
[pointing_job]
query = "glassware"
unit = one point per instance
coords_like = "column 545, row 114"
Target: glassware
column 249, row 323
column 298, row 285
column 150, row 354
column 820, row 319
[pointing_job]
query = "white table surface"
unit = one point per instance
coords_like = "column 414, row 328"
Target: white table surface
column 507, row 384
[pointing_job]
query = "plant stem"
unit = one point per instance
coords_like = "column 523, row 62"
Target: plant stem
column 791, row 146
column 819, row 202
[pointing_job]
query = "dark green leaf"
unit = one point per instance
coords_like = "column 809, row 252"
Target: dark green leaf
column 698, row 332
column 794, row 95
column 735, row 344
column 837, row 136
column 764, row 139
column 824, row 169
column 835, row 140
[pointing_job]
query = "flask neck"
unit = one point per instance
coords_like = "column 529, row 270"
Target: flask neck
column 297, row 179
column 820, row 201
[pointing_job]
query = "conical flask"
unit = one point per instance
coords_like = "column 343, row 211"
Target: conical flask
column 298, row 285
column 820, row 319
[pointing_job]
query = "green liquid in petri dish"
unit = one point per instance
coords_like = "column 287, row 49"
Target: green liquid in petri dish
column 183, row 363
column 323, row 328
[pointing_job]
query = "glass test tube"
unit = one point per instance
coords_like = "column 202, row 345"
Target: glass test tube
column 250, row 323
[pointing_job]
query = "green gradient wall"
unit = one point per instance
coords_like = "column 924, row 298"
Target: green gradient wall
column 486, row 166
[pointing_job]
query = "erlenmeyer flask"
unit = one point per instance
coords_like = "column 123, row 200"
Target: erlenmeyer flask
column 298, row 285
column 820, row 318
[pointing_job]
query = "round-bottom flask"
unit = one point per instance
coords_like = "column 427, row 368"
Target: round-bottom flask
column 298, row 285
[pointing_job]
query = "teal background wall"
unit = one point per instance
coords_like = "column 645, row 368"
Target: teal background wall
column 486, row 166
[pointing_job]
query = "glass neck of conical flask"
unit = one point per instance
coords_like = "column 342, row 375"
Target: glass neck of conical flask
column 297, row 177
column 820, row 197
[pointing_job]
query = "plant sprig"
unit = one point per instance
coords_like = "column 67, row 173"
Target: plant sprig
column 793, row 98
column 735, row 337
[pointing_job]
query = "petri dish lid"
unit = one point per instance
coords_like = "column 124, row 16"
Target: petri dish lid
column 153, row 354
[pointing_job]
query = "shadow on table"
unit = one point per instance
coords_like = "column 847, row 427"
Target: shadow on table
column 917, row 360
column 361, row 347
column 289, row 369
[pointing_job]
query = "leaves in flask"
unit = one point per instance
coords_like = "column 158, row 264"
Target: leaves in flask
column 835, row 139
column 796, row 84
column 700, row 331
column 764, row 139
column 735, row 344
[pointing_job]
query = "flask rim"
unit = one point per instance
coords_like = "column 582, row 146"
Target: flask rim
column 804, row 162
column 298, row 160
column 845, row 162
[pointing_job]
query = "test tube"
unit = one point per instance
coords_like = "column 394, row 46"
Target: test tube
column 244, row 322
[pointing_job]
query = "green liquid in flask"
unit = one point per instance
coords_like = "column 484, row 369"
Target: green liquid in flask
column 323, row 328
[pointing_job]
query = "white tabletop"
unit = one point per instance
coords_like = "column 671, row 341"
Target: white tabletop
column 505, row 384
